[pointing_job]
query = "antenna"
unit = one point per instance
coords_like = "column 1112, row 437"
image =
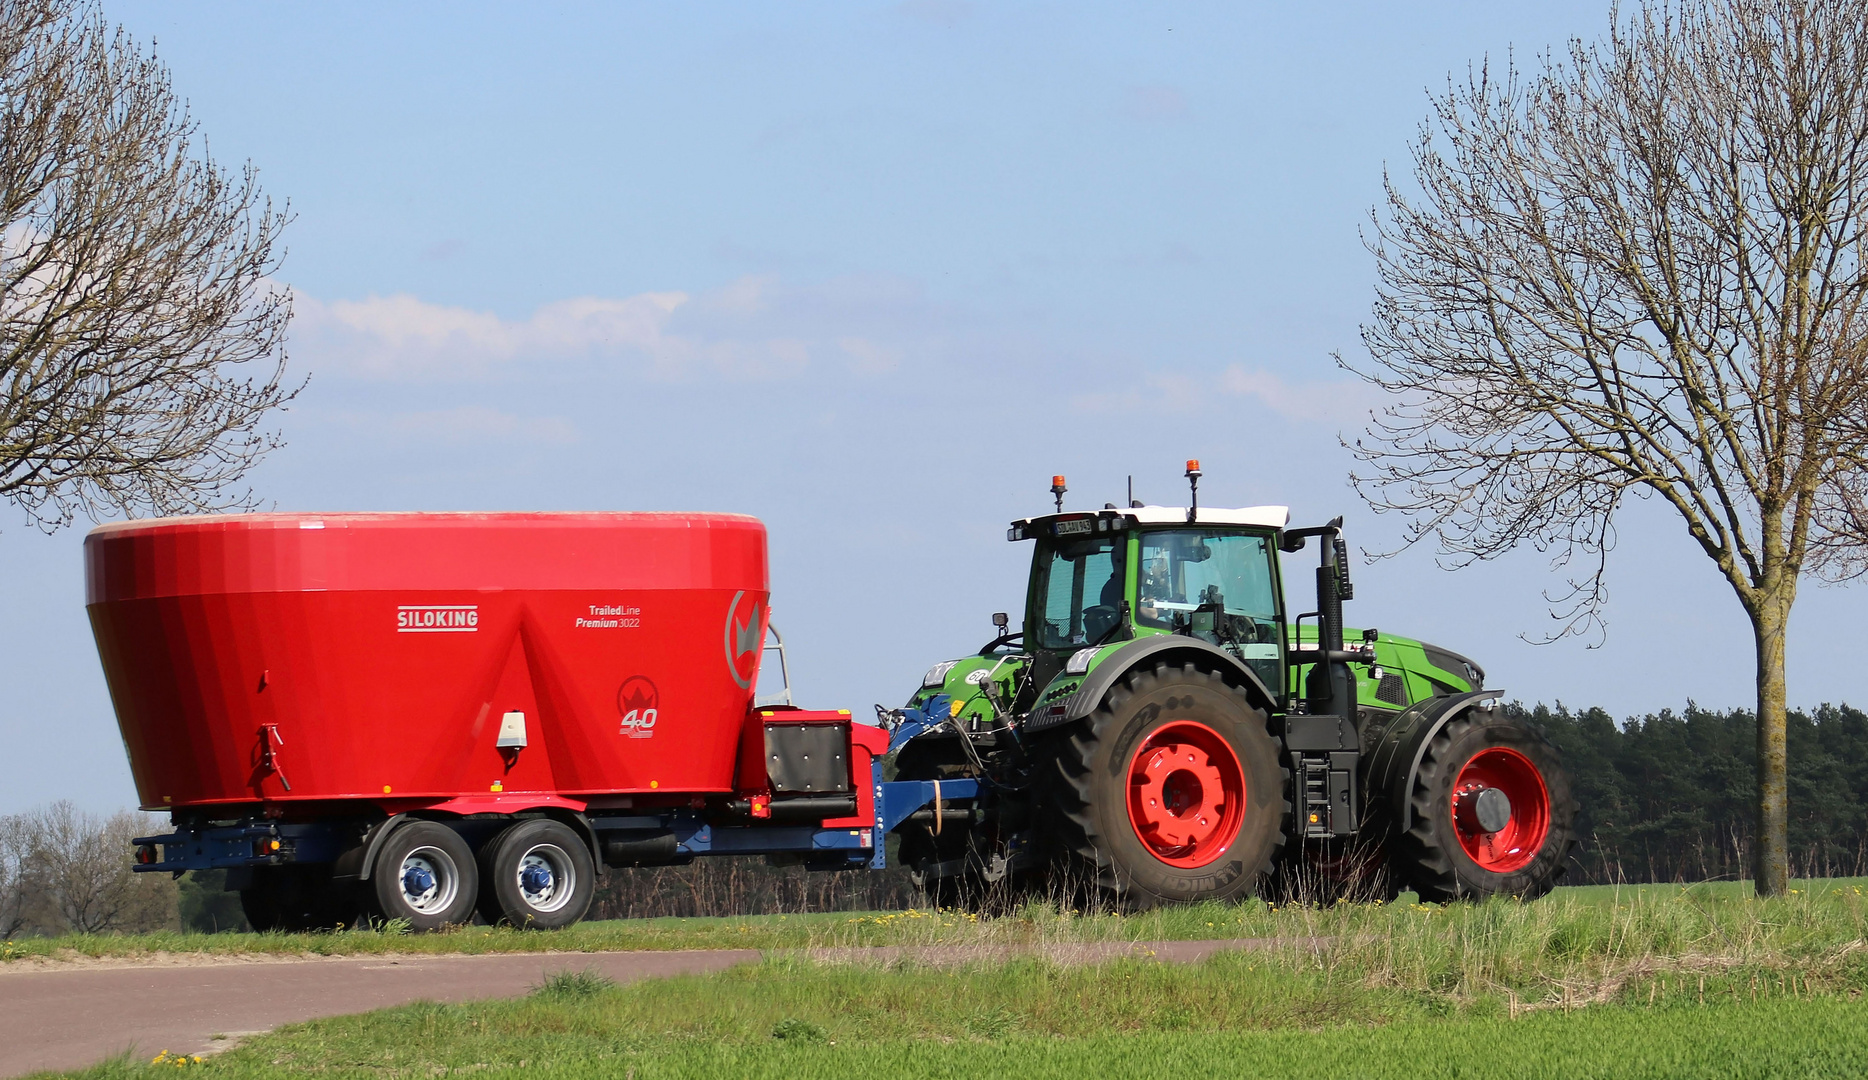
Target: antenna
column 1057, row 491
column 1193, row 484
column 1131, row 491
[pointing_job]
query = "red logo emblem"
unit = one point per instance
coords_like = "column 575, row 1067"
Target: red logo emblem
column 639, row 704
column 745, row 633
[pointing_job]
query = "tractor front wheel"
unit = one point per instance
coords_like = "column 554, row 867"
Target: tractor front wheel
column 1171, row 793
column 1492, row 812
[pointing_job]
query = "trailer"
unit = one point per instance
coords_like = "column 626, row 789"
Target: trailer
column 421, row 716
column 429, row 717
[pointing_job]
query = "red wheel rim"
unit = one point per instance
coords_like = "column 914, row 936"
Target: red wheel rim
column 1186, row 794
column 1511, row 774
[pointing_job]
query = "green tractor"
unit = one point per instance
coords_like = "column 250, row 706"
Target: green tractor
column 1164, row 730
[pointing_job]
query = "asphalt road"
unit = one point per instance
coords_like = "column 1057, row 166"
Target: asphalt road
column 68, row 1018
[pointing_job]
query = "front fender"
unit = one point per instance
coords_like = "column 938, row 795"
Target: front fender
column 1394, row 759
column 1152, row 649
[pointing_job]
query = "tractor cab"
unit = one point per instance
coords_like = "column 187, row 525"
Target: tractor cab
column 1121, row 574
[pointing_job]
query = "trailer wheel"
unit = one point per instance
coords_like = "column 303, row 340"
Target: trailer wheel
column 1172, row 793
column 1492, row 812
column 536, row 875
column 425, row 873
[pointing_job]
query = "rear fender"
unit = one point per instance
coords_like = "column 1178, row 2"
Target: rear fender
column 354, row 864
column 1400, row 744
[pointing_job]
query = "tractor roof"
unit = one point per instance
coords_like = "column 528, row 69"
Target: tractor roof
column 1269, row 517
column 1263, row 517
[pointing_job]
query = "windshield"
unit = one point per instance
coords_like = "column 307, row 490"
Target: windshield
column 1081, row 589
column 1215, row 585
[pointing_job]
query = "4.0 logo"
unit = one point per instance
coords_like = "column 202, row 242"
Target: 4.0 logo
column 639, row 705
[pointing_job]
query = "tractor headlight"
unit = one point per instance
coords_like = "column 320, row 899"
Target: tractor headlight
column 1079, row 662
column 937, row 675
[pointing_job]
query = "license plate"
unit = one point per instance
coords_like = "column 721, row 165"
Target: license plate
column 1065, row 528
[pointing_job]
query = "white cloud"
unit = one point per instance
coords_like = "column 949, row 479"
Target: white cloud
column 754, row 329
column 402, row 336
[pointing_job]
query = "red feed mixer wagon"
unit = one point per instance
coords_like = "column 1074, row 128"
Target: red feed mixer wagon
column 429, row 717
column 414, row 716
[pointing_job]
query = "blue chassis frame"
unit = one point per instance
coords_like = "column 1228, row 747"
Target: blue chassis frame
column 250, row 843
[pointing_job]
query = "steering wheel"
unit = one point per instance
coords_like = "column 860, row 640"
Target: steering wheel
column 1098, row 620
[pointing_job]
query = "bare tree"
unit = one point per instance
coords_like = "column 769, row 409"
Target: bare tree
column 77, row 874
column 12, row 877
column 1639, row 269
column 133, row 283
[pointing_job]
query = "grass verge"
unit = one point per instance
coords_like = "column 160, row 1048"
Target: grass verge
column 1237, row 1014
column 1662, row 918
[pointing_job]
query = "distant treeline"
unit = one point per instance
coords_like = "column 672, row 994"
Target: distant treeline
column 1673, row 797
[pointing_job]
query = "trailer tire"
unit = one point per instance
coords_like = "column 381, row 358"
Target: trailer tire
column 425, row 874
column 536, row 875
column 1170, row 792
column 1446, row 854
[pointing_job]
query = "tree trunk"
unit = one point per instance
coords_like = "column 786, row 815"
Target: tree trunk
column 1770, row 858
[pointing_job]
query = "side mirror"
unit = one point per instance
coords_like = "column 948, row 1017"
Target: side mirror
column 1001, row 620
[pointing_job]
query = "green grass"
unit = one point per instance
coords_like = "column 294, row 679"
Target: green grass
column 1654, row 981
column 1236, row 1014
column 1830, row 910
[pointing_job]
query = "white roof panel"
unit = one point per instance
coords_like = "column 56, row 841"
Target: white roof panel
column 1270, row 517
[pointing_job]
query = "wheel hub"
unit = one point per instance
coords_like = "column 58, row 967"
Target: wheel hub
column 547, row 878
column 418, row 881
column 1484, row 810
column 1181, row 794
column 1186, row 796
column 1501, row 810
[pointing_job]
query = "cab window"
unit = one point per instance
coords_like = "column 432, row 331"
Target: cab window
column 1081, row 588
column 1216, row 586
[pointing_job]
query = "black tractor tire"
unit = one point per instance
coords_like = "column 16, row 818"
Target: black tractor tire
column 296, row 899
column 425, row 874
column 563, row 876
column 1096, row 839
column 1432, row 856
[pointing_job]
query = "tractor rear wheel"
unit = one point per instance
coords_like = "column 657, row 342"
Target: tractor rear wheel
column 1171, row 792
column 1492, row 812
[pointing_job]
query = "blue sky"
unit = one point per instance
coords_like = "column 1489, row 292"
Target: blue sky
column 872, row 272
